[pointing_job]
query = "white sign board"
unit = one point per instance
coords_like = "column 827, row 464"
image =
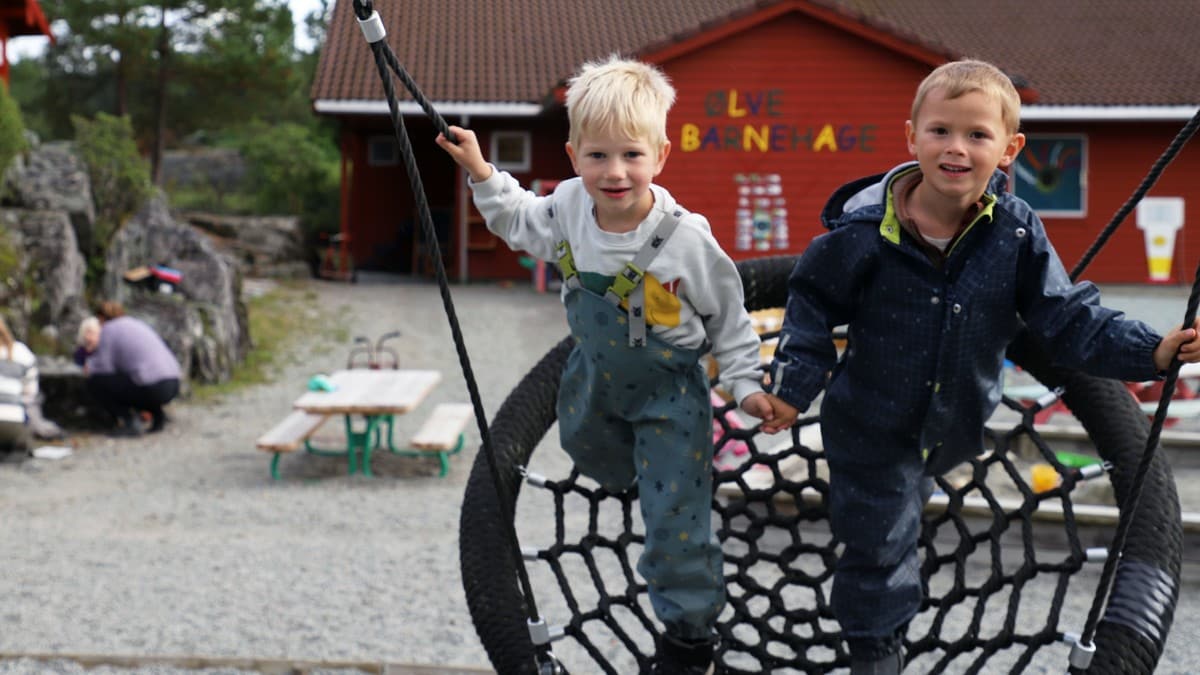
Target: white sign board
column 1160, row 212
column 1159, row 218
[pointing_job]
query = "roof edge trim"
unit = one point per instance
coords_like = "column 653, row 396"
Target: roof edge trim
column 373, row 107
column 1114, row 113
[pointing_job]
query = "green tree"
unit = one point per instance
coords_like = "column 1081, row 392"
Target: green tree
column 111, row 34
column 137, row 51
column 290, row 169
column 249, row 71
column 27, row 80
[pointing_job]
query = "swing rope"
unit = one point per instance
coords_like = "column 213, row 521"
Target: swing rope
column 1117, row 546
column 375, row 33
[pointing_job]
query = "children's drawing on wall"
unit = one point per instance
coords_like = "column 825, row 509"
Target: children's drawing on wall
column 761, row 215
column 1051, row 174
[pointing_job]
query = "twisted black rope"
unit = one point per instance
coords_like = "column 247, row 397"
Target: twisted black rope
column 1116, row 547
column 385, row 58
column 1135, row 494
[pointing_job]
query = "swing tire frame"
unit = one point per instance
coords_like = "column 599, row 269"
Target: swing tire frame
column 1104, row 407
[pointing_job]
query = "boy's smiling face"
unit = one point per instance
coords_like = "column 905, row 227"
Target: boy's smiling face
column 959, row 142
column 617, row 172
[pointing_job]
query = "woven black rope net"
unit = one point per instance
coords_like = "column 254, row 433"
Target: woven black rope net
column 1009, row 572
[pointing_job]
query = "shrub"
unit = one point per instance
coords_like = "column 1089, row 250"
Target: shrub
column 12, row 129
column 292, row 169
column 120, row 179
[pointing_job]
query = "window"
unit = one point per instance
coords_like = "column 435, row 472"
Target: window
column 1051, row 174
column 510, row 151
column 382, row 151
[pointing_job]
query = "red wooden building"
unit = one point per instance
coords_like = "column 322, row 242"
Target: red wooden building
column 779, row 102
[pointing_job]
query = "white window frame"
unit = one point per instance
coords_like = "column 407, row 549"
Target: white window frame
column 526, row 139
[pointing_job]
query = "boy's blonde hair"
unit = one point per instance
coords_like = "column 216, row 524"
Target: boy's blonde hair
column 619, row 96
column 961, row 77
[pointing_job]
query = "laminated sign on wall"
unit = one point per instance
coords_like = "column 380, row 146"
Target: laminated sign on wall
column 1159, row 218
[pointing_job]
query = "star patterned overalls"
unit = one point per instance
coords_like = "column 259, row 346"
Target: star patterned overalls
column 631, row 407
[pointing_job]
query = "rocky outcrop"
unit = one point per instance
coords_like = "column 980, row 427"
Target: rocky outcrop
column 262, row 246
column 44, row 293
column 219, row 170
column 47, row 218
column 53, row 178
column 203, row 319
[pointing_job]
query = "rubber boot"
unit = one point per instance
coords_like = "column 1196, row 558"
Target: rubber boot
column 683, row 657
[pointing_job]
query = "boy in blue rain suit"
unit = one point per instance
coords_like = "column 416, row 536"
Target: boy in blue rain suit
column 933, row 266
column 647, row 290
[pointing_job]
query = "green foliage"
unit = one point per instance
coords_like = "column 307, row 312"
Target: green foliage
column 227, row 65
column 224, row 62
column 27, row 85
column 204, row 197
column 12, row 129
column 10, row 258
column 292, row 169
column 119, row 175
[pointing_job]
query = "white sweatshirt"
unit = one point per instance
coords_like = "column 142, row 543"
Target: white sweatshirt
column 693, row 290
column 18, row 382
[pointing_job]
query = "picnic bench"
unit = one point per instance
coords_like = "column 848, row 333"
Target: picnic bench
column 441, row 434
column 291, row 432
column 375, row 396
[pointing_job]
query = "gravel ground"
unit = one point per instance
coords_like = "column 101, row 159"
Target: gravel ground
column 180, row 545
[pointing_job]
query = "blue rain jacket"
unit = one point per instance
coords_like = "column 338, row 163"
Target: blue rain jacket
column 926, row 343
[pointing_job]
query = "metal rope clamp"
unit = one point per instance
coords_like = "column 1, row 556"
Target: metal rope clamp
column 1081, row 654
column 372, row 27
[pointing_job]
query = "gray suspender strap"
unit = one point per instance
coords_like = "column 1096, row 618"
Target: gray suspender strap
column 628, row 282
column 566, row 265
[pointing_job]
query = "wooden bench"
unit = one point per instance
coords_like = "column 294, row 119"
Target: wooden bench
column 442, row 434
column 287, row 436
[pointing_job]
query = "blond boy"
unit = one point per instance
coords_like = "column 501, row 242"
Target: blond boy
column 647, row 290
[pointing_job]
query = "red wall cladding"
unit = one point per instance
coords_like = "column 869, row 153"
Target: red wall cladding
column 770, row 121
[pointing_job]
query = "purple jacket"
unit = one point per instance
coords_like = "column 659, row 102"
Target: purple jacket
column 130, row 346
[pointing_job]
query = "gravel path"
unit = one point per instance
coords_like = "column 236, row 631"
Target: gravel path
column 180, row 544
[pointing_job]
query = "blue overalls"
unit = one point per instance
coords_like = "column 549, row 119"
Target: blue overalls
column 633, row 407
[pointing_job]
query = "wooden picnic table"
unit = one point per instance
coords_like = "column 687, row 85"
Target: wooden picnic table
column 374, row 395
column 370, row 392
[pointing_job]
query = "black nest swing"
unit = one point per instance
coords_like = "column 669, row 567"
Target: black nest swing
column 995, row 599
